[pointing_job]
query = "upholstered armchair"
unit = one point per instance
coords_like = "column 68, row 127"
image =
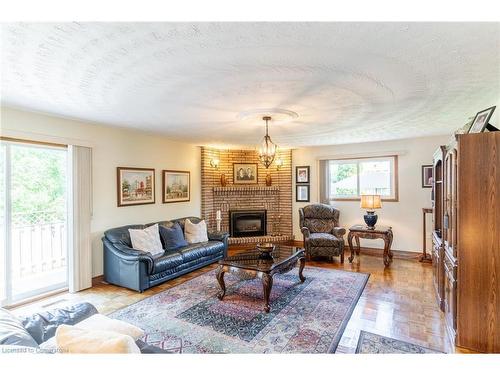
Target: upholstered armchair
column 322, row 235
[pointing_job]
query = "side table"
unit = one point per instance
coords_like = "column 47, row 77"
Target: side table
column 362, row 231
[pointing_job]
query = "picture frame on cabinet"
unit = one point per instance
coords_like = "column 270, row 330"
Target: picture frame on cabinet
column 480, row 122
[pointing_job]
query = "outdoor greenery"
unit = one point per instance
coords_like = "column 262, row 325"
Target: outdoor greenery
column 38, row 183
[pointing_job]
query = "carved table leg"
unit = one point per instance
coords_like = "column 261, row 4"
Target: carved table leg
column 390, row 244
column 220, row 279
column 267, row 284
column 349, row 240
column 302, row 263
column 387, row 250
column 358, row 246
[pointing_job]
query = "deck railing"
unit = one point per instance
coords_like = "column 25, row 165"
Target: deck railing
column 39, row 243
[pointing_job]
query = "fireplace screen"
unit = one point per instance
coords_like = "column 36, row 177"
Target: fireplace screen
column 247, row 223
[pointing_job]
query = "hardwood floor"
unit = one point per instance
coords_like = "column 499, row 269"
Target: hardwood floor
column 397, row 302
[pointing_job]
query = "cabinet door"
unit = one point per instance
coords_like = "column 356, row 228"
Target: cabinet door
column 450, row 199
column 450, row 296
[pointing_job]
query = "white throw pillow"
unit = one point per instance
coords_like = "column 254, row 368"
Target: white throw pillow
column 102, row 323
column 71, row 339
column 147, row 239
column 195, row 233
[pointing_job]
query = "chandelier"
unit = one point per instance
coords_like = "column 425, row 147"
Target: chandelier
column 267, row 149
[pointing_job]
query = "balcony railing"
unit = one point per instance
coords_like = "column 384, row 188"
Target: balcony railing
column 39, row 245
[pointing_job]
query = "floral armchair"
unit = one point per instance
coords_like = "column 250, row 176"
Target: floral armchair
column 322, row 235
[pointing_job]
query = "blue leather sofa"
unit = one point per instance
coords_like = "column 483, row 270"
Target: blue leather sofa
column 138, row 270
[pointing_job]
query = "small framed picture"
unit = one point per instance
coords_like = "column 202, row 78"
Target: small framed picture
column 176, row 186
column 427, row 175
column 135, row 186
column 245, row 173
column 302, row 193
column 480, row 122
column 302, row 175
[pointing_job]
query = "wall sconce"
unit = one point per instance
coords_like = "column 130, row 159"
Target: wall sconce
column 214, row 163
column 279, row 163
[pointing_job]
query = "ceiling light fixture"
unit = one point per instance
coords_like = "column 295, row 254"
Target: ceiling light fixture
column 267, row 149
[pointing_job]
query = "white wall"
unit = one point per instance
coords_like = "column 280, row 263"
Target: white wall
column 114, row 147
column 404, row 216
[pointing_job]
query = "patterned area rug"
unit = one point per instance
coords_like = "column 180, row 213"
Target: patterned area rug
column 304, row 318
column 371, row 343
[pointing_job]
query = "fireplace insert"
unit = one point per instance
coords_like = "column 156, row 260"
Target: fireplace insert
column 247, row 223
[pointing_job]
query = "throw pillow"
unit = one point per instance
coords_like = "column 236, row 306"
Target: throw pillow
column 147, row 239
column 195, row 233
column 173, row 238
column 103, row 323
column 71, row 339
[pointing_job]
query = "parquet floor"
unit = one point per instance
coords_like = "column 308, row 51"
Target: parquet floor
column 397, row 302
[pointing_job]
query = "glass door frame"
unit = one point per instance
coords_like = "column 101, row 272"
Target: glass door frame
column 7, row 228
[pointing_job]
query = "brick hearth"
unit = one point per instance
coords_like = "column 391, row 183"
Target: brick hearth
column 276, row 199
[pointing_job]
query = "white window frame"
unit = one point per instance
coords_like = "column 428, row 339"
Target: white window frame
column 394, row 197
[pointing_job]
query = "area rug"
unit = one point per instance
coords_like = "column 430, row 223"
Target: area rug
column 307, row 317
column 371, row 343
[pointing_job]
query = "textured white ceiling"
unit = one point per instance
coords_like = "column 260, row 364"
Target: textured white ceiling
column 348, row 82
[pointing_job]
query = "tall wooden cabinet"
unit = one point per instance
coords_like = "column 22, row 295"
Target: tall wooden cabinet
column 467, row 218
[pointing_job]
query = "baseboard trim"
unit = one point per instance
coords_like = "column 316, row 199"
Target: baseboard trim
column 398, row 254
column 97, row 280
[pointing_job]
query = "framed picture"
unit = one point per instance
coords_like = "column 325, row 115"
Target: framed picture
column 427, row 175
column 302, row 175
column 302, row 193
column 245, row 173
column 176, row 186
column 481, row 120
column 135, row 186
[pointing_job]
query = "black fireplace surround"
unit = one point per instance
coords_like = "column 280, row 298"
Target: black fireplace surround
column 247, row 223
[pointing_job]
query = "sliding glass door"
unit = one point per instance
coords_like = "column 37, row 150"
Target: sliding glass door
column 33, row 217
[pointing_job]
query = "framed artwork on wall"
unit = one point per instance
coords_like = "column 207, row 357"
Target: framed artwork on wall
column 176, row 186
column 302, row 174
column 302, row 193
column 480, row 122
column 427, row 175
column 135, row 186
column 245, row 173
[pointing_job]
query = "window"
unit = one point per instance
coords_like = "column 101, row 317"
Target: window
column 348, row 179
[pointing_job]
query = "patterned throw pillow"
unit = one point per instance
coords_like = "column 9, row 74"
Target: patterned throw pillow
column 195, row 233
column 147, row 239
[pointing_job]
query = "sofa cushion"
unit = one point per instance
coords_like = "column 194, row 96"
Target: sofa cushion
column 12, row 331
column 322, row 239
column 172, row 237
column 213, row 247
column 147, row 239
column 169, row 260
column 192, row 252
column 195, row 233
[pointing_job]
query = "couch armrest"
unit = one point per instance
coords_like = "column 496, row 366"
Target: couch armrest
column 129, row 254
column 338, row 232
column 305, row 232
column 218, row 236
column 42, row 326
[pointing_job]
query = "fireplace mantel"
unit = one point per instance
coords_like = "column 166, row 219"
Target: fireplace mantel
column 254, row 190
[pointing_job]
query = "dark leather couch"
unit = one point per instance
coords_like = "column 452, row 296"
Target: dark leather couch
column 31, row 331
column 138, row 270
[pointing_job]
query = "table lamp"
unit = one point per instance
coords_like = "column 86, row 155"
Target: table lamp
column 370, row 203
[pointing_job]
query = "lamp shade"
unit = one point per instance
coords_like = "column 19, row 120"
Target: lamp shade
column 371, row 202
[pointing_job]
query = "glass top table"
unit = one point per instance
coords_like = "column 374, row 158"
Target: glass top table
column 251, row 263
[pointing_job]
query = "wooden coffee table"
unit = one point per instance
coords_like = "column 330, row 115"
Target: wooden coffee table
column 250, row 264
column 362, row 231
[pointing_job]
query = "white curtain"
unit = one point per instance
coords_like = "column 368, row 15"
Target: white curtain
column 324, row 181
column 79, row 216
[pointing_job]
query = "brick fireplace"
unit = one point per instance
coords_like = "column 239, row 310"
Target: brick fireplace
column 274, row 200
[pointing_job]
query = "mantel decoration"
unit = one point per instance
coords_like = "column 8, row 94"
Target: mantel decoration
column 267, row 148
column 245, row 173
column 370, row 203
